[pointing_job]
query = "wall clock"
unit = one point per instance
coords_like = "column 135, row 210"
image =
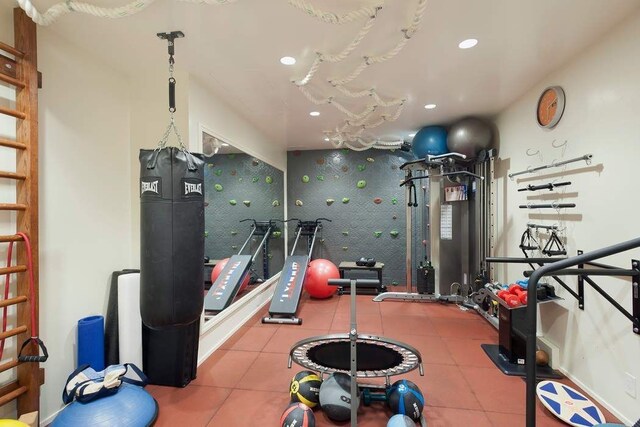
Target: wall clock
column 550, row 107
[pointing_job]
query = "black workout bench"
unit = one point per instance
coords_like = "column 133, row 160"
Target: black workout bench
column 349, row 270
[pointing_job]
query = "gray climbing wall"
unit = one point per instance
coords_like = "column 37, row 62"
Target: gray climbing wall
column 241, row 177
column 360, row 227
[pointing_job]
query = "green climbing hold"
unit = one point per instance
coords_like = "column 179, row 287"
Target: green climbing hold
column 299, row 202
column 255, row 179
column 234, row 247
column 394, row 201
column 232, row 202
column 345, row 233
column 234, row 232
column 218, row 172
column 370, row 159
column 344, row 248
column 210, row 165
column 305, row 178
column 361, row 184
column 247, row 202
column 321, row 240
column 206, row 234
column 275, row 203
column 240, row 179
column 320, row 177
column 218, row 187
column 277, row 234
column 330, row 202
column 336, row 176
column 394, row 283
column 345, row 200
column 377, row 233
column 362, row 167
column 268, row 180
column 394, row 233
column 269, row 255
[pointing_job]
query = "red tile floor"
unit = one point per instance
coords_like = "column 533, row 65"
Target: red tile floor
column 246, row 381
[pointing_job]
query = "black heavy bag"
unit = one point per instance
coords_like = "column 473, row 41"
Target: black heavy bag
column 171, row 237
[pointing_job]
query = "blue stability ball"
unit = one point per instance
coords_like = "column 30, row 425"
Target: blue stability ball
column 430, row 140
column 400, row 420
column 131, row 406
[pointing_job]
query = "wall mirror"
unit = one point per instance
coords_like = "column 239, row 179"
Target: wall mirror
column 244, row 209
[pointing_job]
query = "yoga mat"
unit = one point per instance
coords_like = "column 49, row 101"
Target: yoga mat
column 91, row 342
column 129, row 320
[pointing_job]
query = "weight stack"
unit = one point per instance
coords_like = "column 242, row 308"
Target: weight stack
column 426, row 280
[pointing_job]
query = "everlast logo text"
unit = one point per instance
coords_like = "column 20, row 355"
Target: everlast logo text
column 192, row 188
column 149, row 187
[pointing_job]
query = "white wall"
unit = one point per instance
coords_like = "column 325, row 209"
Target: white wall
column 602, row 86
column 85, row 197
column 206, row 110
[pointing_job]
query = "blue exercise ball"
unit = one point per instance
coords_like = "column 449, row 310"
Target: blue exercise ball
column 131, row 406
column 430, row 140
column 400, row 420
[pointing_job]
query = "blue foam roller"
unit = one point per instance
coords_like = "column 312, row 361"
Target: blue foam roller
column 131, row 406
column 91, row 342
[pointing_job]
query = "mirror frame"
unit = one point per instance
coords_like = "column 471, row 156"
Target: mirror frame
column 207, row 325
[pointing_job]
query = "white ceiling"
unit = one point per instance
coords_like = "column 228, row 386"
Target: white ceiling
column 235, row 49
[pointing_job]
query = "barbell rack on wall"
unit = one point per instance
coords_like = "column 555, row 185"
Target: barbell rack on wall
column 548, row 186
column 531, row 315
column 587, row 158
column 545, row 227
column 548, row 206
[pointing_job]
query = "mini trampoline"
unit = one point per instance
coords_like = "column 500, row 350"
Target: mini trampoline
column 377, row 356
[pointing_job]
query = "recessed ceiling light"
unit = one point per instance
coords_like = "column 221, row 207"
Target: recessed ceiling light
column 430, row 106
column 468, row 43
column 224, row 144
column 411, row 135
column 327, row 139
column 314, row 113
column 287, row 60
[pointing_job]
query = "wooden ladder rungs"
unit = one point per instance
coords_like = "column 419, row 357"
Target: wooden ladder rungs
column 12, row 207
column 12, row 175
column 13, row 332
column 13, row 301
column 11, row 395
column 11, row 50
column 12, row 144
column 11, row 270
column 11, row 238
column 10, row 80
column 9, row 365
column 14, row 113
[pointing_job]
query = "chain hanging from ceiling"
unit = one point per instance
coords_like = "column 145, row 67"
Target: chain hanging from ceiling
column 352, row 129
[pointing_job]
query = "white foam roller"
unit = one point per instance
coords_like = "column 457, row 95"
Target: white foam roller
column 129, row 320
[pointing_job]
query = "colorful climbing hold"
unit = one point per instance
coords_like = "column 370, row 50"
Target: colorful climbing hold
column 377, row 233
column 276, row 234
column 218, row 187
column 234, row 232
column 320, row 177
column 218, row 172
column 395, row 217
column 394, row 283
column 206, row 234
column 394, row 201
column 345, row 233
column 255, row 179
column 299, row 202
column 240, row 179
column 345, row 168
column 234, row 247
column 275, row 203
column 344, row 248
column 377, row 200
column 269, row 255
column 234, row 172
column 330, row 202
column 210, row 165
column 255, row 162
column 394, row 233
column 268, row 180
column 362, row 167
column 345, row 200
column 336, row 176
column 247, row 202
column 232, row 202
column 206, row 204
column 320, row 161
column 370, row 159
column 305, row 178
column 361, row 184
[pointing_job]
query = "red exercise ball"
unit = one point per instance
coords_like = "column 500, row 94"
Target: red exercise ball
column 218, row 269
column 318, row 274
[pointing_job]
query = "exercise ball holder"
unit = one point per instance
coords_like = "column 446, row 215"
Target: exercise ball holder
column 383, row 357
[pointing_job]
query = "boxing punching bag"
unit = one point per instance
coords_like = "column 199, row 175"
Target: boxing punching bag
column 171, row 262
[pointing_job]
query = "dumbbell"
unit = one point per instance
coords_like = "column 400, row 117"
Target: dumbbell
column 511, row 299
column 517, row 290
